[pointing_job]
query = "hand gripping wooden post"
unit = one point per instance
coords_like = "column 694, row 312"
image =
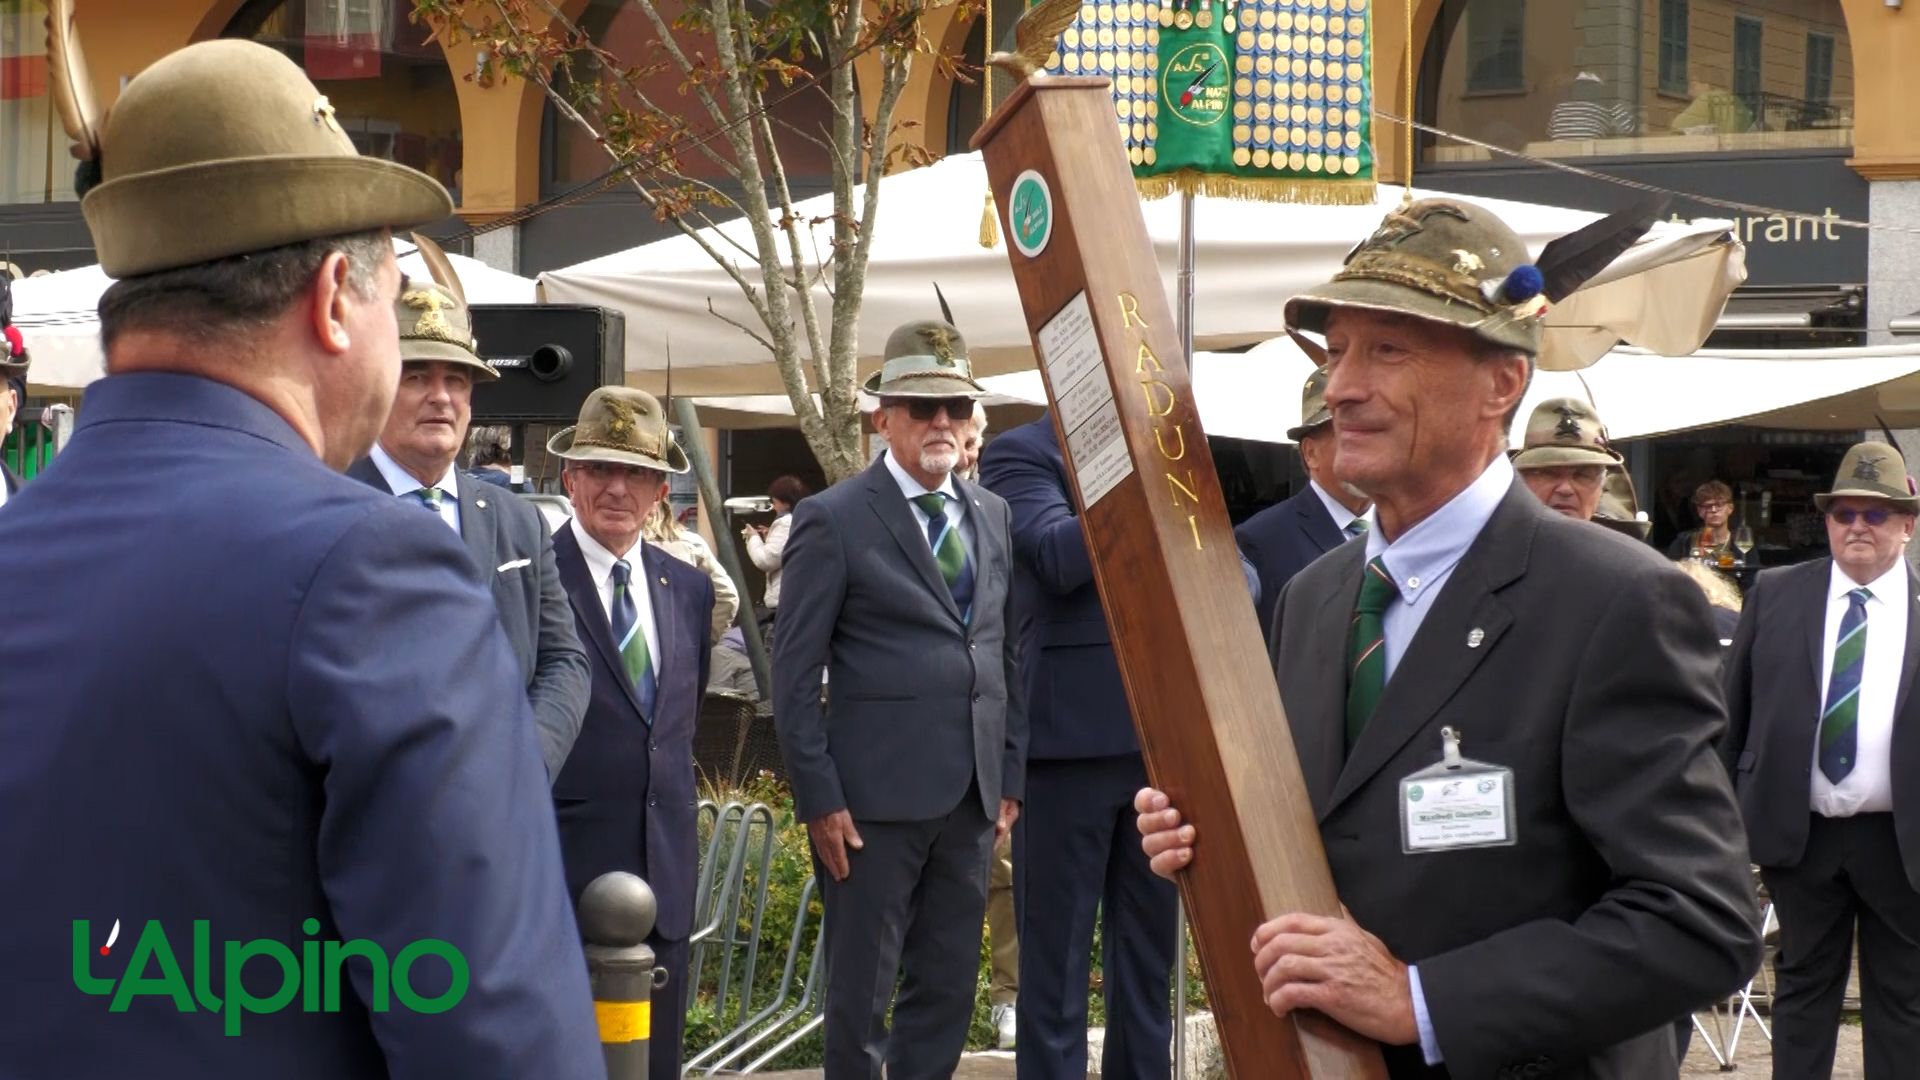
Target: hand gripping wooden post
column 1202, row 690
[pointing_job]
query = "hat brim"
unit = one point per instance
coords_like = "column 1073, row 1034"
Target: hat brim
column 925, row 386
column 1313, row 423
column 1909, row 503
column 11, row 370
column 1309, row 310
column 198, row 213
column 417, row 349
column 1542, row 457
column 561, row 445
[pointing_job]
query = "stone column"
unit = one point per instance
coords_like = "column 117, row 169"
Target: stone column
column 499, row 248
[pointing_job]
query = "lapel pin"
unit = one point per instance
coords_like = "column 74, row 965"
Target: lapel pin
column 481, row 503
column 663, row 581
column 1475, row 636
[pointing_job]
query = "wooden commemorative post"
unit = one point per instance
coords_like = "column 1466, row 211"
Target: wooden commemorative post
column 1190, row 650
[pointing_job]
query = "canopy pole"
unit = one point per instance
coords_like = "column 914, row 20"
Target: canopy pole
column 695, row 442
column 1183, row 316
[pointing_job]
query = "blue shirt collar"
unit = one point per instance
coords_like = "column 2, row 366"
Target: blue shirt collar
column 402, row 481
column 911, row 488
column 1425, row 553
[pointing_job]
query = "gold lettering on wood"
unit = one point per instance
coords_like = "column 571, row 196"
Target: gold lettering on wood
column 1179, row 488
column 1146, row 357
column 1130, row 311
column 1180, row 436
column 1155, row 407
column 1161, row 399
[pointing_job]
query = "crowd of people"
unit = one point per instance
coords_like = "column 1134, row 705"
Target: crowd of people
column 296, row 676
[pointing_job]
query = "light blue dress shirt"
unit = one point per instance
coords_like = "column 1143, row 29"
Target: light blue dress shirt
column 402, row 484
column 1420, row 562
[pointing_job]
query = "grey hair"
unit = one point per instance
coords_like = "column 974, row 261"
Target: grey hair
column 228, row 299
column 980, row 419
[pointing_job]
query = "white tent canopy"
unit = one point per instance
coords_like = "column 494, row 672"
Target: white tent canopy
column 1256, row 394
column 1665, row 293
column 57, row 314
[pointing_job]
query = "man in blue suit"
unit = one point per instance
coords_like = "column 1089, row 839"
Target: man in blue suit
column 1282, row 539
column 1073, row 847
column 262, row 710
column 626, row 799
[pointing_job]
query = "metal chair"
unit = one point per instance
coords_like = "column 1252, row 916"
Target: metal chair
column 1734, row 1013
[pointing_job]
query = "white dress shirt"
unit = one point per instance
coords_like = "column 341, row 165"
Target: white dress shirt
column 956, row 509
column 600, row 566
column 404, row 485
column 1869, row 787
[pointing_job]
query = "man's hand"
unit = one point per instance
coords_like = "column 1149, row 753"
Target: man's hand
column 1009, row 813
column 1168, row 844
column 832, row 835
column 1335, row 967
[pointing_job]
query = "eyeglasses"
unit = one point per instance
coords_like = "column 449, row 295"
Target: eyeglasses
column 924, row 409
column 1705, row 506
column 1845, row 515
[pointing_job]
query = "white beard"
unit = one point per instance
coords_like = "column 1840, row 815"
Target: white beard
column 939, row 462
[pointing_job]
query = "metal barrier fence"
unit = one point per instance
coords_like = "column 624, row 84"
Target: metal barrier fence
column 725, row 955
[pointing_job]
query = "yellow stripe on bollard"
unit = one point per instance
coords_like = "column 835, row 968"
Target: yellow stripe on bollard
column 623, row 1021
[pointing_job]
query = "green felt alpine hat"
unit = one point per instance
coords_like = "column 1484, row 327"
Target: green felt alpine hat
column 624, row 426
column 435, row 325
column 1441, row 260
column 1872, row 470
column 226, row 147
column 1564, row 431
column 1314, row 413
column 926, row 358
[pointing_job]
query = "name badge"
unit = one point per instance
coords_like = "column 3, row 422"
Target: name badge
column 1459, row 803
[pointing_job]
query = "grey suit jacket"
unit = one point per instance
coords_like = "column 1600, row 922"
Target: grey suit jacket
column 1774, row 701
column 512, row 551
column 1586, row 664
column 917, row 704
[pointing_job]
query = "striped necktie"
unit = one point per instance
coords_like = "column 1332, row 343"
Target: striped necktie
column 429, row 497
column 1839, row 722
column 632, row 640
column 948, row 551
column 1367, row 647
column 1356, row 527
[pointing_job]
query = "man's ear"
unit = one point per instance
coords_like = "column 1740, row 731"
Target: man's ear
column 331, row 296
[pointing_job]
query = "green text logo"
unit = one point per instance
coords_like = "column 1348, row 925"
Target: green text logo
column 313, row 976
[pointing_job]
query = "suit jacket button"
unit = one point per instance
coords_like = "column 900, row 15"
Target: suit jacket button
column 653, row 800
column 976, row 697
column 654, row 746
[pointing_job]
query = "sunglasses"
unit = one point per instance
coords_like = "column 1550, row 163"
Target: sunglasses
column 924, row 409
column 1876, row 517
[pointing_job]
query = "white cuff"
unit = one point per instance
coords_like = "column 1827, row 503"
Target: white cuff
column 1429, row 1044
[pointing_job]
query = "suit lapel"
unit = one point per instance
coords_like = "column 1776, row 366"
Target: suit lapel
column 887, row 501
column 1812, row 607
column 1315, row 678
column 479, row 524
column 665, row 618
column 578, row 582
column 986, row 536
column 368, row 473
column 1439, row 659
column 1318, row 524
column 1912, row 659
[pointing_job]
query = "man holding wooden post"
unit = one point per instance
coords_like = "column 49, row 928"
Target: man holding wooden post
column 1504, row 718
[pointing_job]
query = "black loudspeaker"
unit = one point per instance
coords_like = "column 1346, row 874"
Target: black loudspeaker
column 550, row 357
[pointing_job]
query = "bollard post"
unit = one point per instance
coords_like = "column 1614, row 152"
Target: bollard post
column 616, row 915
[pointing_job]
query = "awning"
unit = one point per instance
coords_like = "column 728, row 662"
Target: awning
column 1665, row 292
column 58, row 314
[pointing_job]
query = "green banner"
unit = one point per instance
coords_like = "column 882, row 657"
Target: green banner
column 1264, row 99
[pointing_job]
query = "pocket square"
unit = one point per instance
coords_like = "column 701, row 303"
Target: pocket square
column 514, row 565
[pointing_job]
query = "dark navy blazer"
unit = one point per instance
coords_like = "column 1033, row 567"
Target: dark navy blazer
column 1076, row 703
column 253, row 691
column 626, row 799
column 1281, row 541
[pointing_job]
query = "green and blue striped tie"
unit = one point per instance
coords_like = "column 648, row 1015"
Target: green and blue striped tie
column 1367, row 647
column 1840, row 721
column 633, row 641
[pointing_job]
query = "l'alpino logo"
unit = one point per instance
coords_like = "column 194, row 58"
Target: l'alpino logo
column 314, row 976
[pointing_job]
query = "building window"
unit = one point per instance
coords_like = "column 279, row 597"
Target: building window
column 34, row 163
column 1819, row 69
column 1495, row 46
column 1746, row 64
column 1673, row 46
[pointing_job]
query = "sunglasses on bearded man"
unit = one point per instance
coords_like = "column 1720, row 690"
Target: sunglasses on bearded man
column 924, row 409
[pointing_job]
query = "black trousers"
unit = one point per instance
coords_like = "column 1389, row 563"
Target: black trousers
column 1851, row 876
column 1076, row 851
column 669, row 1009
column 913, row 905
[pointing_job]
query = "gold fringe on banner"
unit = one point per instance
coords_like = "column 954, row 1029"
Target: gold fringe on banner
column 1258, row 188
column 989, row 225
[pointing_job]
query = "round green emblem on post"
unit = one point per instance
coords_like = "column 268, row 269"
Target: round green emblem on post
column 1030, row 213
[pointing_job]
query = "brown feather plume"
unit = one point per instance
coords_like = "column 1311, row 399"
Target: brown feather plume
column 440, row 267
column 72, row 87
